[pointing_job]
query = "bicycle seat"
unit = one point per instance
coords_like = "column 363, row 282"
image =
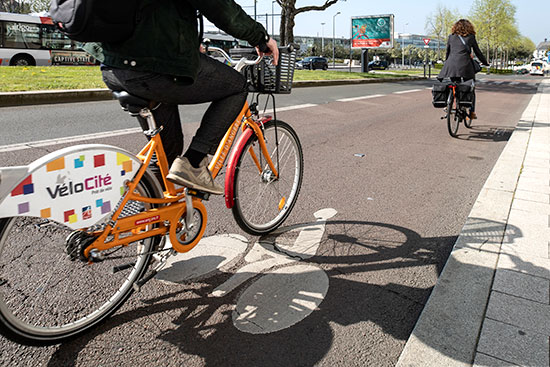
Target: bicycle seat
column 131, row 103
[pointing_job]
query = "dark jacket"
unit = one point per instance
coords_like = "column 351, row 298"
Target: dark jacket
column 458, row 61
column 166, row 38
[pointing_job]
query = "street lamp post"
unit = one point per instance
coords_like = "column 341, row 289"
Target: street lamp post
column 272, row 19
column 322, row 38
column 403, row 47
column 333, row 39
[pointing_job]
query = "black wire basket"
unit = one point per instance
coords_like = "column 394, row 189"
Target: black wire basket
column 266, row 77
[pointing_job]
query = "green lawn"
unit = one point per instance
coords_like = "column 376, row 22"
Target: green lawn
column 19, row 78
column 339, row 75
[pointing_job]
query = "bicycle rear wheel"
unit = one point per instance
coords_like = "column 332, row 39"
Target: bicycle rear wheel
column 452, row 118
column 263, row 201
column 45, row 297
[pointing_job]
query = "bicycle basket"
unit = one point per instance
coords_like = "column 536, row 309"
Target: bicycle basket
column 266, row 77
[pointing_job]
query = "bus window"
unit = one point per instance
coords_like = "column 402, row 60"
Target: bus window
column 55, row 40
column 21, row 35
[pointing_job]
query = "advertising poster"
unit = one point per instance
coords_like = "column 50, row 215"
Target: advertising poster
column 372, row 31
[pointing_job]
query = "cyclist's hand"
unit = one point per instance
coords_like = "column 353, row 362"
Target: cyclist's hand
column 273, row 50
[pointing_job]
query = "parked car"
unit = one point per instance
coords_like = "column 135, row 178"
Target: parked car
column 377, row 65
column 312, row 63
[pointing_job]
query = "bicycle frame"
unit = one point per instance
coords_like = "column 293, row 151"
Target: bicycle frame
column 164, row 218
column 171, row 205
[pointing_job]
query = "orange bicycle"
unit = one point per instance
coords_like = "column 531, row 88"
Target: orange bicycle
column 80, row 227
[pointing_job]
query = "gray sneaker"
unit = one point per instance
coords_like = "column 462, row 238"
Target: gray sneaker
column 183, row 173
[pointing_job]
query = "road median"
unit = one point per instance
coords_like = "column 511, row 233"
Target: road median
column 8, row 99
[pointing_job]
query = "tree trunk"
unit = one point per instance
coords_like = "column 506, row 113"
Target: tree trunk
column 289, row 12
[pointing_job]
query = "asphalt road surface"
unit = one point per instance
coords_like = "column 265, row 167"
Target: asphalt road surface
column 386, row 191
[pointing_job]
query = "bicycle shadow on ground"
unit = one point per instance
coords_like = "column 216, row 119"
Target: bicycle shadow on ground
column 485, row 133
column 186, row 325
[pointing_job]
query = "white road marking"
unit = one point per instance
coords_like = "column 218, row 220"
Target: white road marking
column 290, row 108
column 106, row 134
column 407, row 91
column 280, row 299
column 70, row 139
column 212, row 253
column 359, row 98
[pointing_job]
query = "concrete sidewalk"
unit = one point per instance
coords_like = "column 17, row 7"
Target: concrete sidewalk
column 491, row 304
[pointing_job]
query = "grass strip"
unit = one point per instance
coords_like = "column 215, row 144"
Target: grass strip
column 28, row 78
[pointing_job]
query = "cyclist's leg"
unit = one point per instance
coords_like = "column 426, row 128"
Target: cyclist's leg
column 215, row 82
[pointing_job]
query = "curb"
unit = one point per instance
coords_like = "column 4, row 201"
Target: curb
column 8, row 99
column 448, row 329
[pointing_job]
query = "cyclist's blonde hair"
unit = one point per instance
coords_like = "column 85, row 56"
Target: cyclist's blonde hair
column 463, row 28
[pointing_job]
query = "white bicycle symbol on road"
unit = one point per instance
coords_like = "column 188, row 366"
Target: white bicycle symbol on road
column 286, row 291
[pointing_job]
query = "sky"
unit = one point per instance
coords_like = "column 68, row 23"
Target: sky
column 532, row 17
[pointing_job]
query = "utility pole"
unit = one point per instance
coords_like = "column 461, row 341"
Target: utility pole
column 403, row 47
column 272, row 18
column 322, row 38
column 333, row 40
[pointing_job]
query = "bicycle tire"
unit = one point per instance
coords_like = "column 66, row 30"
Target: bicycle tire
column 63, row 298
column 452, row 119
column 262, row 203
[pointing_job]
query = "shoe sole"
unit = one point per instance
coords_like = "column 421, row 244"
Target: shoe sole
column 183, row 182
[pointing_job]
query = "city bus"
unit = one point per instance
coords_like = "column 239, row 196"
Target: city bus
column 29, row 40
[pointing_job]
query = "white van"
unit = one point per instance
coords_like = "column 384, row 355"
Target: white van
column 537, row 68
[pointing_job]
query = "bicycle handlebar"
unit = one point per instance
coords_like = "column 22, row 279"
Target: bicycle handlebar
column 239, row 64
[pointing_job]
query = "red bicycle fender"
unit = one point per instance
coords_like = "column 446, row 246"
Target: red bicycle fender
column 232, row 163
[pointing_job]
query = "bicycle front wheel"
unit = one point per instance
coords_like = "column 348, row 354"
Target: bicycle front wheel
column 262, row 200
column 47, row 294
column 452, row 118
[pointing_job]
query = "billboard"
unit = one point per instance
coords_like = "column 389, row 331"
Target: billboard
column 372, row 31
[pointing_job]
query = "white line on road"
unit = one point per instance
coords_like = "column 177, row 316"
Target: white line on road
column 290, row 108
column 70, row 139
column 359, row 98
column 407, row 91
column 106, row 134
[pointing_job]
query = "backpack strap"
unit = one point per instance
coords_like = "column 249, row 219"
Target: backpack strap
column 465, row 45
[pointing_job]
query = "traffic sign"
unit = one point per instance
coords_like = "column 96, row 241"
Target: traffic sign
column 426, row 41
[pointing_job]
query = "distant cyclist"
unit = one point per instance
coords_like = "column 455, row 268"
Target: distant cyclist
column 458, row 61
column 161, row 62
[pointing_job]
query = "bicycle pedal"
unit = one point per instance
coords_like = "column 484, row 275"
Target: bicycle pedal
column 199, row 194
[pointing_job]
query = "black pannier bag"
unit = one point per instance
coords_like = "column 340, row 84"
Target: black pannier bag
column 95, row 20
column 440, row 92
column 466, row 93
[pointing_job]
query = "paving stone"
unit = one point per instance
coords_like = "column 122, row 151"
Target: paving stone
column 531, row 206
column 513, row 344
column 533, row 185
column 534, row 246
column 525, row 314
column 523, row 219
column 532, row 196
column 522, row 285
column 483, row 360
column 525, row 263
